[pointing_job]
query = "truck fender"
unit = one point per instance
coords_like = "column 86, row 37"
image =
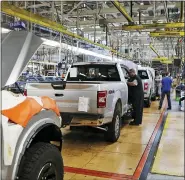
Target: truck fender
column 35, row 129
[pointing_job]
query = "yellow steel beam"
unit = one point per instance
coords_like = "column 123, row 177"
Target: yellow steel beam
column 153, row 26
column 167, row 34
column 160, row 59
column 154, row 50
column 122, row 10
column 37, row 19
column 163, row 62
column 166, row 62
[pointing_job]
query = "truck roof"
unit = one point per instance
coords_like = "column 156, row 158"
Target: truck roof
column 107, row 62
column 86, row 63
column 129, row 64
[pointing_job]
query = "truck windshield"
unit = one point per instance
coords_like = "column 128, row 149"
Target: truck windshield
column 95, row 72
column 143, row 74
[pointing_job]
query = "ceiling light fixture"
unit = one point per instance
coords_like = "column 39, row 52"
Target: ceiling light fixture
column 74, row 49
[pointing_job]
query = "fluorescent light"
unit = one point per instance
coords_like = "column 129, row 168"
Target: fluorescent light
column 50, row 42
column 74, row 49
column 4, row 30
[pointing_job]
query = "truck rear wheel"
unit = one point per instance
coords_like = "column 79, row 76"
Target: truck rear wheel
column 114, row 127
column 42, row 161
column 148, row 102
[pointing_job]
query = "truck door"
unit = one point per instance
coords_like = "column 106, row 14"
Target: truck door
column 125, row 91
column 152, row 81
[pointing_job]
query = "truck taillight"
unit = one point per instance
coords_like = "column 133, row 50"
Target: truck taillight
column 145, row 86
column 101, row 99
column 25, row 92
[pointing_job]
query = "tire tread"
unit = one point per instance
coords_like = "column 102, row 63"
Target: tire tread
column 32, row 155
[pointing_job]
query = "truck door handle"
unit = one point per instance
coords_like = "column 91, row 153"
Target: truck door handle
column 59, row 95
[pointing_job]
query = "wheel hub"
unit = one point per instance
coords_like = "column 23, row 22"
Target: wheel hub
column 47, row 172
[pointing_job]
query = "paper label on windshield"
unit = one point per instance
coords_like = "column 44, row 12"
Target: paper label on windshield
column 73, row 72
column 83, row 104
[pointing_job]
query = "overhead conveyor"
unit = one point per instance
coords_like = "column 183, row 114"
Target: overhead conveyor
column 153, row 26
column 167, row 34
column 42, row 21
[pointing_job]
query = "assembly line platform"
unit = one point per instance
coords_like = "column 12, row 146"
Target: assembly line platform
column 87, row 156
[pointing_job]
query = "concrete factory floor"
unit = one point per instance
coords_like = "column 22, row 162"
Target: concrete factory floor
column 87, row 156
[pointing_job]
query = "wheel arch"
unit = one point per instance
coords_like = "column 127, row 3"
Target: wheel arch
column 34, row 131
column 118, row 103
column 48, row 133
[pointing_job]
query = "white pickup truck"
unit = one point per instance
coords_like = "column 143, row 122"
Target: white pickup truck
column 92, row 94
column 147, row 76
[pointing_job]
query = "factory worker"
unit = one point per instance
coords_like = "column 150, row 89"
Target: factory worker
column 158, row 80
column 137, row 96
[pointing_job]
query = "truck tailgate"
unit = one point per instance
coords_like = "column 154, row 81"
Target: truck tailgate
column 67, row 99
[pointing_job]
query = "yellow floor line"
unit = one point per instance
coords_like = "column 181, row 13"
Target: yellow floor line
column 156, row 166
column 158, row 155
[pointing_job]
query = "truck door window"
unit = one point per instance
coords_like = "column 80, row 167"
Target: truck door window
column 96, row 72
column 143, row 74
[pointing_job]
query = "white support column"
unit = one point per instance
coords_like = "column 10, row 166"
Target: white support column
column 60, row 48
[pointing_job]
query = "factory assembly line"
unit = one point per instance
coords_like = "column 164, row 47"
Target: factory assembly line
column 92, row 90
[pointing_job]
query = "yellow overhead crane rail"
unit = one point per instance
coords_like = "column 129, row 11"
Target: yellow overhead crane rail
column 163, row 60
column 153, row 26
column 167, row 34
column 122, row 11
column 42, row 21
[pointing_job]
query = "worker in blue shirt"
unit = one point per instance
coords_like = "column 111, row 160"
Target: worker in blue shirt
column 166, row 88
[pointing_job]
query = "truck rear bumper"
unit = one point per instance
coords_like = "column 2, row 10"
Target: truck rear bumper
column 80, row 119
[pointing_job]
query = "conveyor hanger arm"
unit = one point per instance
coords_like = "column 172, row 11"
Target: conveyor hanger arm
column 122, row 11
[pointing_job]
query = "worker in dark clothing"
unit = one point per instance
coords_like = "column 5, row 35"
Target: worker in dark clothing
column 137, row 96
column 166, row 88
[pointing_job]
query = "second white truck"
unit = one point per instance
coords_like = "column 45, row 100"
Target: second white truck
column 92, row 94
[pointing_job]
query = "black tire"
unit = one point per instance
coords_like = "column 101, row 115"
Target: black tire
column 153, row 97
column 111, row 135
column 42, row 158
column 148, row 102
column 72, row 128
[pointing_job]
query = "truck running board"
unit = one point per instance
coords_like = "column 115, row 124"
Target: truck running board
column 101, row 128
